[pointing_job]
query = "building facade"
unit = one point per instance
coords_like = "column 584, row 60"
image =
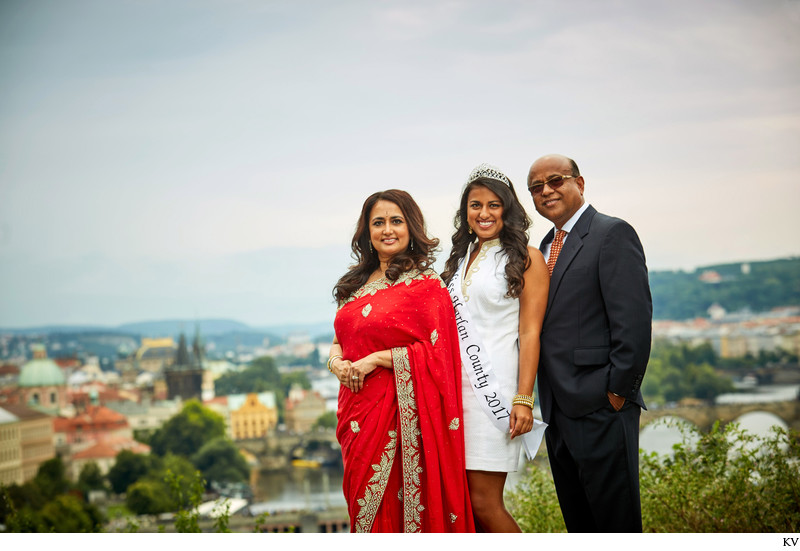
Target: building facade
column 255, row 417
column 303, row 408
column 10, row 449
column 36, row 438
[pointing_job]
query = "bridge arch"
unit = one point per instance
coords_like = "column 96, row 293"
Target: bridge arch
column 661, row 434
column 704, row 417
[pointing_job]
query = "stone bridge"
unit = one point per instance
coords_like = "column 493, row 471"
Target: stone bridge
column 703, row 417
column 277, row 448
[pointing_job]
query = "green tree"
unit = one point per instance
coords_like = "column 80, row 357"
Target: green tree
column 15, row 514
column 90, row 478
column 220, row 461
column 128, row 468
column 681, row 295
column 28, row 496
column 188, row 492
column 148, row 497
column 151, row 494
column 326, row 421
column 186, row 432
column 67, row 513
column 677, row 371
column 260, row 376
column 298, row 378
column 51, row 478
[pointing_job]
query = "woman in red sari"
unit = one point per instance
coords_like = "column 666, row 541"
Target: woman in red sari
column 396, row 356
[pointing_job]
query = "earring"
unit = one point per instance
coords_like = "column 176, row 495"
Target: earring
column 470, row 230
column 412, row 245
column 370, row 247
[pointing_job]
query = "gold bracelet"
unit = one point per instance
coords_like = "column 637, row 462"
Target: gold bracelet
column 523, row 400
column 331, row 360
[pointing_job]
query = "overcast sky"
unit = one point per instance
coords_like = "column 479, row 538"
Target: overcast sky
column 208, row 159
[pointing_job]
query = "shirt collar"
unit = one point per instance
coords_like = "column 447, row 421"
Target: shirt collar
column 574, row 220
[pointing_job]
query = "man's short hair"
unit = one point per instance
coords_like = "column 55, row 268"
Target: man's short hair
column 574, row 165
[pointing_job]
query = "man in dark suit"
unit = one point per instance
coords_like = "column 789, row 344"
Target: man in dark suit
column 595, row 345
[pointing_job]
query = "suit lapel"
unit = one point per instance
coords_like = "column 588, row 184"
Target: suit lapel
column 572, row 245
column 547, row 239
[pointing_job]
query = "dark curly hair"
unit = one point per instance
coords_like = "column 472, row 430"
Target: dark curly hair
column 513, row 237
column 420, row 257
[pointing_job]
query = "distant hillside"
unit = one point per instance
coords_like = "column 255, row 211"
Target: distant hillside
column 219, row 328
column 759, row 286
column 175, row 327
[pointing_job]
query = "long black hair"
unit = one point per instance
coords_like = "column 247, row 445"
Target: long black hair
column 420, row 256
column 513, row 237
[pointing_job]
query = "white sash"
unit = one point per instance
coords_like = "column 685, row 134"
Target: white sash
column 483, row 380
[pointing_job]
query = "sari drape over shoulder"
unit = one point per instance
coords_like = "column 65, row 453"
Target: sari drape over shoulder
column 402, row 435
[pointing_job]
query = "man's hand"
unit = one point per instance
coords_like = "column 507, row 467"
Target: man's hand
column 616, row 401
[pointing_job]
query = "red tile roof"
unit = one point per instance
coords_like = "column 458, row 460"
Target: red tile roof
column 95, row 417
column 110, row 447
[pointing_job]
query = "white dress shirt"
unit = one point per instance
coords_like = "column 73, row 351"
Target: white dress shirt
column 567, row 228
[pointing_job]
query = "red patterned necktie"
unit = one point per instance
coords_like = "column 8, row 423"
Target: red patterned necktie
column 555, row 248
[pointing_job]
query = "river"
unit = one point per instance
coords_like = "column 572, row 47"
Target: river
column 298, row 489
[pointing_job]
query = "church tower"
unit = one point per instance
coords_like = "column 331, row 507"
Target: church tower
column 185, row 377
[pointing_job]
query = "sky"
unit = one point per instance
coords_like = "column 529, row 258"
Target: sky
column 200, row 159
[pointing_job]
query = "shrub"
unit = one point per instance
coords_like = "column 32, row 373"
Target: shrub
column 728, row 481
column 725, row 481
column 534, row 504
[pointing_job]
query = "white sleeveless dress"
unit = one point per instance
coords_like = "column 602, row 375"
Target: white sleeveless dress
column 496, row 318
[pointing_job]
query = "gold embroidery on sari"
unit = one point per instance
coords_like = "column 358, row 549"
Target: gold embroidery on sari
column 367, row 309
column 380, row 284
column 373, row 494
column 409, row 441
column 434, row 337
column 454, row 424
column 453, row 518
column 354, row 426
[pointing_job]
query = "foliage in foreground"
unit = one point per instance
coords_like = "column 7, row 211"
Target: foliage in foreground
column 725, row 481
column 534, row 503
column 729, row 481
column 50, row 502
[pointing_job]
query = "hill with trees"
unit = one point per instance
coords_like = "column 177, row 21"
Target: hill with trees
column 757, row 286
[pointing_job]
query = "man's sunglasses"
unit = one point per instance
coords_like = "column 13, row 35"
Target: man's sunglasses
column 553, row 182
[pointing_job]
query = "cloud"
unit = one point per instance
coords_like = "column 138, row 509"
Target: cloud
column 143, row 144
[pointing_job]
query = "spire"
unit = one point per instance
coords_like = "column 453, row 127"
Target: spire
column 182, row 356
column 197, row 346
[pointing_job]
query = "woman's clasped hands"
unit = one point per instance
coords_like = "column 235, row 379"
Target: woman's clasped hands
column 353, row 374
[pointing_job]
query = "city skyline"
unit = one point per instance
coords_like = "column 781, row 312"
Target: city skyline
column 209, row 160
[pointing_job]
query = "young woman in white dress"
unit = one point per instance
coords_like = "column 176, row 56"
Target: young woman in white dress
column 504, row 284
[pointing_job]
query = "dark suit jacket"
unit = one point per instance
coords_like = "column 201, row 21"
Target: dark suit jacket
column 597, row 328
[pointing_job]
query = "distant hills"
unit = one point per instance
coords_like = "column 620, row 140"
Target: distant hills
column 677, row 295
column 757, row 286
column 207, row 328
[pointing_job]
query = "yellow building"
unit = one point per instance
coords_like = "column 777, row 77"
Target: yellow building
column 255, row 417
column 10, row 449
column 36, row 438
column 156, row 354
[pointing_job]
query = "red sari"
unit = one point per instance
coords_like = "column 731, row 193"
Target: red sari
column 402, row 436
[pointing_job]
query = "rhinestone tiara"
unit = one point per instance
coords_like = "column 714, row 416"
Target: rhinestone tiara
column 486, row 170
